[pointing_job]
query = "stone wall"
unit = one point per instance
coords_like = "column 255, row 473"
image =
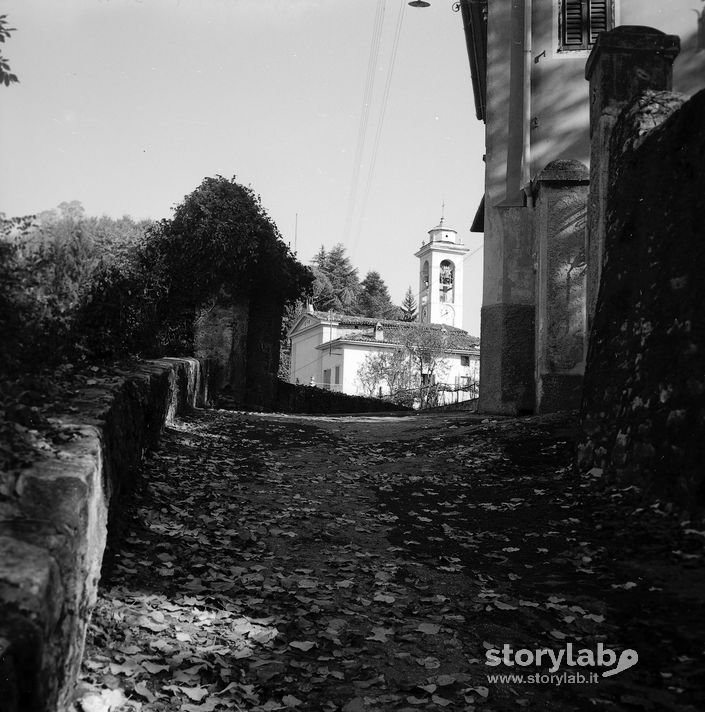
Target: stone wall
column 293, row 398
column 53, row 529
column 643, row 411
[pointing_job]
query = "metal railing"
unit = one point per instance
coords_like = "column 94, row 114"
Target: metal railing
column 436, row 394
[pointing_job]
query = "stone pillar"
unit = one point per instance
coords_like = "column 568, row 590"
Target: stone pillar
column 507, row 326
column 560, row 211
column 623, row 63
column 221, row 337
column 263, row 346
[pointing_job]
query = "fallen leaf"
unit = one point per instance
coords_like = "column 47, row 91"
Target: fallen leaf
column 430, row 663
column 504, row 606
column 380, row 634
column 481, row 690
column 304, row 645
column 441, row 701
column 143, row 691
column 104, row 701
column 445, row 680
column 291, row 701
column 384, row 598
column 428, row 628
column 194, row 693
column 153, row 668
column 357, row 704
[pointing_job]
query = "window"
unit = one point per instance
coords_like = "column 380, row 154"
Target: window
column 582, row 21
column 447, row 279
column 337, row 375
column 464, row 360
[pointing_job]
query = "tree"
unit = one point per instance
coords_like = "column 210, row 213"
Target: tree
column 6, row 76
column 413, row 365
column 390, row 369
column 408, row 306
column 222, row 243
column 77, row 284
column 374, row 300
column 427, row 347
column 337, row 285
column 371, row 373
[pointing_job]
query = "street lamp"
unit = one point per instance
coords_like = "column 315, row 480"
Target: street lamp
column 423, row 3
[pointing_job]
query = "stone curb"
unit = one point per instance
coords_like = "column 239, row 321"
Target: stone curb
column 53, row 534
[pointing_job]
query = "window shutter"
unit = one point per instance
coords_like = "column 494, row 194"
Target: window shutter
column 582, row 21
column 599, row 18
column 573, row 23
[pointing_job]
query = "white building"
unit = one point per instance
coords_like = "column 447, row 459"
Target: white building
column 328, row 350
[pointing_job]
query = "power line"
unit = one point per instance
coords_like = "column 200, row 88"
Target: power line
column 380, row 122
column 475, row 251
column 364, row 115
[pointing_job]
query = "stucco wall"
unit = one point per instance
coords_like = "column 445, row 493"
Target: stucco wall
column 305, row 359
column 643, row 412
column 559, row 94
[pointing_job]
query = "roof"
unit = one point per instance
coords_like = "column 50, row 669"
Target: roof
column 394, row 331
column 474, row 14
column 478, row 223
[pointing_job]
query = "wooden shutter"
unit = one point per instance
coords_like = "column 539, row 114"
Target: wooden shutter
column 600, row 19
column 582, row 21
column 574, row 23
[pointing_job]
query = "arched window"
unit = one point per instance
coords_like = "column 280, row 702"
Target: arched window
column 424, row 275
column 446, row 280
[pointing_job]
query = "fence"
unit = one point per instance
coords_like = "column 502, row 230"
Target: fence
column 436, row 394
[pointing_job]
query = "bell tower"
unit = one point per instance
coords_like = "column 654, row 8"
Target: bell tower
column 441, row 277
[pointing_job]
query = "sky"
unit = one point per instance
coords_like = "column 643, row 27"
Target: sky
column 126, row 105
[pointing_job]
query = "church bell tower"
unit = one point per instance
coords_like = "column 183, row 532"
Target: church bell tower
column 441, row 277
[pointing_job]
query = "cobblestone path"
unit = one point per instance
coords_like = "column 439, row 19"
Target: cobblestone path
column 270, row 562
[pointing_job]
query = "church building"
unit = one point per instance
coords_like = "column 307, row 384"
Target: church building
column 333, row 351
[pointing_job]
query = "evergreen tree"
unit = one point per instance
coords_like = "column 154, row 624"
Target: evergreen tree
column 408, row 306
column 374, row 300
column 337, row 285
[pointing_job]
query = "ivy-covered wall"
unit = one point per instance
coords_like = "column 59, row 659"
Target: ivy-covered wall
column 643, row 409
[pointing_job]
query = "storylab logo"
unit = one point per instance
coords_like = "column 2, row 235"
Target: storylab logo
column 584, row 659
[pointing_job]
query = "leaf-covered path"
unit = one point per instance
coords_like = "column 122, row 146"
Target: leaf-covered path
column 271, row 562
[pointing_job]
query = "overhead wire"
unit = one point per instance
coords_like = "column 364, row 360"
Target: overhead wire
column 364, row 116
column 380, row 124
